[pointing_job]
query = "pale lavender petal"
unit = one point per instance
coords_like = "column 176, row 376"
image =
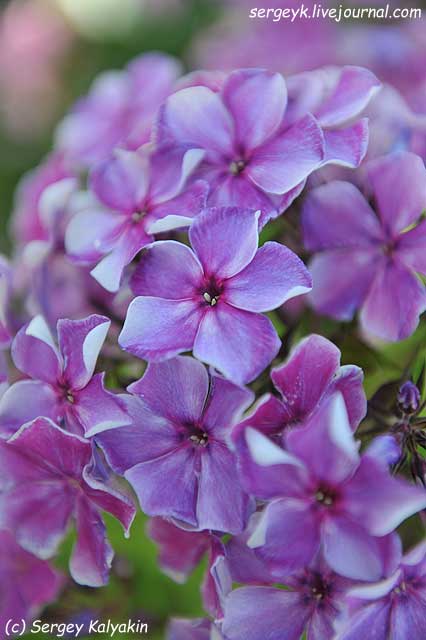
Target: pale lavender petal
column 225, row 404
column 80, row 342
column 225, row 239
column 180, row 209
column 24, row 401
column 394, row 303
column 221, row 503
column 283, row 522
column 411, row 248
column 337, row 215
column 350, row 550
column 198, row 629
column 197, row 117
column 347, row 147
column 167, row 486
column 108, row 272
column 283, row 162
column 167, row 269
column 169, row 173
column 305, row 377
column 355, row 86
column 224, row 330
column 121, row 182
column 175, row 390
column 156, row 329
column 341, row 281
column 371, row 623
column 328, row 431
column 252, row 613
column 92, row 233
column 34, row 351
column 96, row 409
column 92, row 554
column 399, row 185
column 381, row 505
column 149, row 436
column 408, row 618
column 274, row 276
column 257, row 100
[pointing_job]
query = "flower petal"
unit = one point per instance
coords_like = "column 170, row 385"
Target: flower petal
column 225, row 239
column 223, row 331
column 156, row 329
column 347, row 147
column 92, row 555
column 287, row 159
column 175, row 390
column 257, row 100
column 341, row 281
column 196, row 117
column 274, row 276
column 35, row 353
column 336, row 215
column 167, row 269
column 394, row 303
column 80, row 342
column 399, row 184
column 96, row 409
column 167, row 486
column 40, row 400
column 283, row 614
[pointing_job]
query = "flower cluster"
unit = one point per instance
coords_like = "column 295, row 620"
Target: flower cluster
column 148, row 237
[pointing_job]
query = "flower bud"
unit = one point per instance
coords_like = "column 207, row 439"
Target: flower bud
column 409, row 398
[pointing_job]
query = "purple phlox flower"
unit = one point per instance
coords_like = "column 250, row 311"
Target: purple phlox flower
column 324, row 496
column 62, row 385
column 180, row 552
column 251, row 158
column 118, row 111
column 310, row 375
column 27, row 218
column 371, row 262
column 310, row 604
column 27, row 583
column 210, row 299
column 335, row 96
column 132, row 196
column 197, row 629
column 393, row 608
column 181, row 420
column 48, row 478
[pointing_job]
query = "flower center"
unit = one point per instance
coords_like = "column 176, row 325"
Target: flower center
column 211, row 300
column 137, row 216
column 200, row 439
column 69, row 397
column 236, row 167
column 324, row 497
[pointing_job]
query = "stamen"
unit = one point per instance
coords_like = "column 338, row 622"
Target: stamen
column 137, row 216
column 70, row 398
column 211, row 300
column 236, row 167
column 201, row 440
column 323, row 498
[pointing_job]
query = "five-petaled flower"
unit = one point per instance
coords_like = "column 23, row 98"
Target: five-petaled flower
column 210, row 299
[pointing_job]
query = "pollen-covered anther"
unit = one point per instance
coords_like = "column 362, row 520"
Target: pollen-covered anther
column 323, row 498
column 137, row 216
column 236, row 167
column 69, row 397
column 201, row 440
column 211, row 300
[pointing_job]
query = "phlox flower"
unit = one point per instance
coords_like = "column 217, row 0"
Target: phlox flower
column 175, row 453
column 251, row 158
column 61, row 385
column 210, row 298
column 47, row 478
column 27, row 583
column 132, row 196
column 118, row 111
column 324, row 496
column 393, row 608
column 368, row 256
